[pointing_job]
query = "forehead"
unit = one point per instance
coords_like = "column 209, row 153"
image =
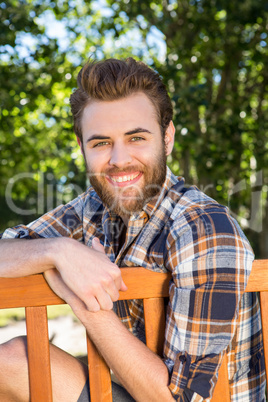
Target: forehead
column 122, row 114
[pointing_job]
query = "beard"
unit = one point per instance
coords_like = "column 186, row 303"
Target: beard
column 127, row 200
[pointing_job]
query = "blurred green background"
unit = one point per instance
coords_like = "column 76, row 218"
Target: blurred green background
column 212, row 55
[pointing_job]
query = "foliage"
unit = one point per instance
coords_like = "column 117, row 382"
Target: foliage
column 9, row 315
column 212, row 55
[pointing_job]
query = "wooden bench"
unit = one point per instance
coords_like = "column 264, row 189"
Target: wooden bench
column 34, row 294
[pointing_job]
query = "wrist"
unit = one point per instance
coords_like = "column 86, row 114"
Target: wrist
column 96, row 322
column 56, row 250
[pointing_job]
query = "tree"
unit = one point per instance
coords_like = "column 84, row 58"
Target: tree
column 215, row 71
column 36, row 138
column 214, row 67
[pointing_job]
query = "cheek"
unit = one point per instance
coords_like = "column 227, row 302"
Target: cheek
column 96, row 161
column 150, row 153
column 145, row 153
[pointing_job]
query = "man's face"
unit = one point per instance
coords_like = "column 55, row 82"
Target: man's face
column 125, row 152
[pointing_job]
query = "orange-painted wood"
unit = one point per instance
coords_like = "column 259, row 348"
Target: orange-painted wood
column 264, row 318
column 221, row 392
column 38, row 354
column 99, row 375
column 33, row 291
column 27, row 291
column 258, row 280
column 154, row 315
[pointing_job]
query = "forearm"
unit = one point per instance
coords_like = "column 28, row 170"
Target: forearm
column 21, row 257
column 141, row 372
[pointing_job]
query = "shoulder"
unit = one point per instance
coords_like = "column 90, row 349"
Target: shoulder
column 86, row 203
column 198, row 219
column 194, row 206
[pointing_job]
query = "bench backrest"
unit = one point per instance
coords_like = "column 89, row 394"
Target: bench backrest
column 34, row 294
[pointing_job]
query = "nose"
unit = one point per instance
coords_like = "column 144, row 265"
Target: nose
column 120, row 156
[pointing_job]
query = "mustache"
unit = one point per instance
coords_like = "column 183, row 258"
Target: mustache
column 115, row 170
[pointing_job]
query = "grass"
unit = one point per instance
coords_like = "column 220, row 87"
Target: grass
column 11, row 315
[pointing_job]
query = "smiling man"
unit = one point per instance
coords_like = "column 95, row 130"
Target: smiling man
column 137, row 213
column 125, row 152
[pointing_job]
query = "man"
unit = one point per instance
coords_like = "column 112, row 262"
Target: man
column 137, row 213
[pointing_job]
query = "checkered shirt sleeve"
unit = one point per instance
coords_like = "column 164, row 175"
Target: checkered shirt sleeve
column 210, row 260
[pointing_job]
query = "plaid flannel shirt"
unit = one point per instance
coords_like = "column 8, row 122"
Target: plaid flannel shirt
column 192, row 236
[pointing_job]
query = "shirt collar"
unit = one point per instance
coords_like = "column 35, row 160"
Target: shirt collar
column 154, row 203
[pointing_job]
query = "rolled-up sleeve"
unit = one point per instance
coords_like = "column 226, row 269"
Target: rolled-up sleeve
column 65, row 220
column 210, row 260
column 17, row 232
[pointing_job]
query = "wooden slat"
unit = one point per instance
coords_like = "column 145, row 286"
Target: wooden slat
column 154, row 315
column 264, row 318
column 38, row 354
column 27, row 291
column 258, row 280
column 99, row 375
column 34, row 291
column 221, row 392
column 143, row 284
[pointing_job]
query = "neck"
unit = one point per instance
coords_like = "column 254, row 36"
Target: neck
column 125, row 219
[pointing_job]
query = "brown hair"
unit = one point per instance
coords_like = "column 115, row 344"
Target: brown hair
column 113, row 79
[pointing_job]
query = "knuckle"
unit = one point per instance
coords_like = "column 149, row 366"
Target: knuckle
column 108, row 305
column 95, row 288
column 115, row 296
column 116, row 273
column 108, row 281
column 93, row 305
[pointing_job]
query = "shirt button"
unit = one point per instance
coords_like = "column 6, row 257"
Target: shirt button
column 182, row 359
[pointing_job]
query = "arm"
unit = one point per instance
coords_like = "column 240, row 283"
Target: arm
column 140, row 371
column 210, row 261
column 55, row 240
column 20, row 257
column 89, row 273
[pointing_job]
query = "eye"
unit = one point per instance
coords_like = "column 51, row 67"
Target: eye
column 135, row 139
column 100, row 144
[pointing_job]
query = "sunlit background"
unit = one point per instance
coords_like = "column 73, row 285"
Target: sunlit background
column 213, row 56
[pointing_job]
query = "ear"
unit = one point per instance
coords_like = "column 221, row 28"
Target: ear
column 80, row 143
column 169, row 138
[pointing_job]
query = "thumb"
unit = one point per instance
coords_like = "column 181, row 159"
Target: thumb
column 123, row 287
column 97, row 246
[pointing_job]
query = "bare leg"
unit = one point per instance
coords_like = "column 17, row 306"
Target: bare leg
column 68, row 374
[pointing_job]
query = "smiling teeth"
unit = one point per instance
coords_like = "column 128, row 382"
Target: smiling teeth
column 121, row 179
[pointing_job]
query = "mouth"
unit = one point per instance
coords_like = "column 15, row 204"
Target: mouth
column 122, row 179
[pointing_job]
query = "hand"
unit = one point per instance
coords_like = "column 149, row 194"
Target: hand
column 89, row 273
column 87, row 318
column 54, row 280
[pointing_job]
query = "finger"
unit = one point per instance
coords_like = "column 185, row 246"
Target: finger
column 111, row 289
column 97, row 246
column 56, row 283
column 120, row 284
column 92, row 305
column 104, row 300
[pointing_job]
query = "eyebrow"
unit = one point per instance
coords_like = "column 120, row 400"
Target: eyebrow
column 130, row 132
column 138, row 130
column 97, row 137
